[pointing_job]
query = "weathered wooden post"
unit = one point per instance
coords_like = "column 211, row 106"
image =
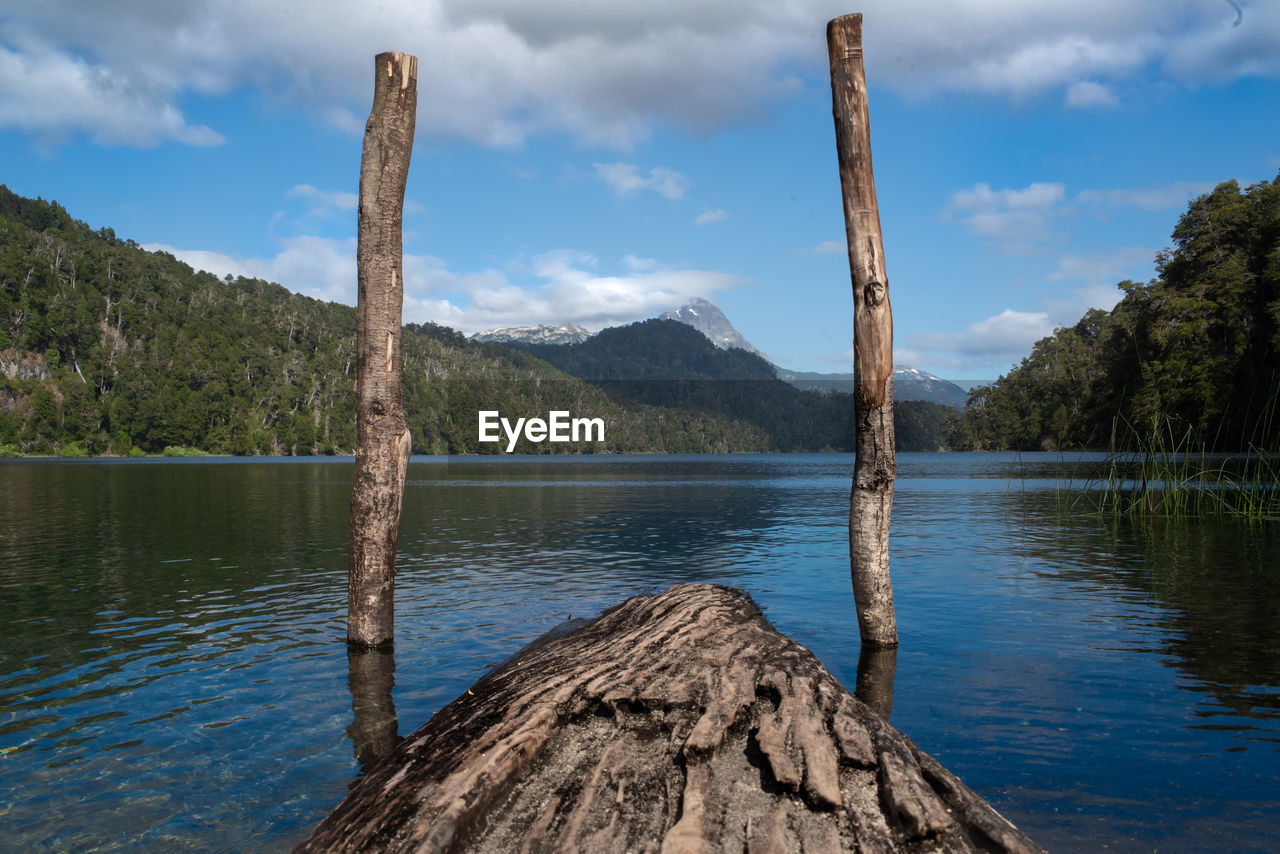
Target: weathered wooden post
column 382, row 437
column 871, row 498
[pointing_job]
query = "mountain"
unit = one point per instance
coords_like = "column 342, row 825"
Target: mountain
column 666, row 363
column 711, row 322
column 108, row 348
column 914, row 384
column 908, row 384
column 543, row 333
column 653, row 349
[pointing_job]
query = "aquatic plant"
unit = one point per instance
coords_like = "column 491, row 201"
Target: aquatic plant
column 1171, row 474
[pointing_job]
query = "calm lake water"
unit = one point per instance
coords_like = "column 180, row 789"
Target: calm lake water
column 173, row 673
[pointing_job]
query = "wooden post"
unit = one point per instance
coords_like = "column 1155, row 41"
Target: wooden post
column 871, row 498
column 382, row 437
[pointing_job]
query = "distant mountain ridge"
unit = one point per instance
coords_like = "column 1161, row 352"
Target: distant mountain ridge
column 543, row 333
column 707, row 318
column 908, row 384
column 667, row 363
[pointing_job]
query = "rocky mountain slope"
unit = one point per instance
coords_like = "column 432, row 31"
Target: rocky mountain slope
column 543, row 333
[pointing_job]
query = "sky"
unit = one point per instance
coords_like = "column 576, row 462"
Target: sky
column 594, row 162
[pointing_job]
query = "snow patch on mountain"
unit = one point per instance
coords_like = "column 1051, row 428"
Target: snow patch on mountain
column 543, row 333
column 711, row 322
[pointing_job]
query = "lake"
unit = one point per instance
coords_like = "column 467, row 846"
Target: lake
column 173, row 673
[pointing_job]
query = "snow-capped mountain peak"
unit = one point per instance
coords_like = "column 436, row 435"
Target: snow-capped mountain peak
column 711, row 322
column 544, row 333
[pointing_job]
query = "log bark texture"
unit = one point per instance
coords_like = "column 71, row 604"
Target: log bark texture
column 382, row 437
column 681, row 722
column 875, row 467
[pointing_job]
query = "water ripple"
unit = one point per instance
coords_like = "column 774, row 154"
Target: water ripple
column 175, row 666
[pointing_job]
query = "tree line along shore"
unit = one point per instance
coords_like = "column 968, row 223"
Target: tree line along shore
column 106, row 348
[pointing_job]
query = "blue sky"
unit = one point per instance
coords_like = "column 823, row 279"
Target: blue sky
column 597, row 163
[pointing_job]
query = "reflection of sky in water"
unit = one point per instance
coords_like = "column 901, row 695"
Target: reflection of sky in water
column 173, row 663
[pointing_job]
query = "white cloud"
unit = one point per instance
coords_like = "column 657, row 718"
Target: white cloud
column 639, row 265
column 1157, row 198
column 566, row 286
column 569, row 293
column 54, row 94
column 1010, row 217
column 1087, row 94
column 1106, row 267
column 1009, row 331
column 988, row 346
column 319, row 267
column 1221, row 51
column 1069, row 306
column 325, row 200
column 625, row 179
column 1010, row 49
column 711, row 216
column 217, row 263
column 1042, row 65
column 983, row 349
column 826, row 247
column 1096, row 277
column 603, row 73
column 982, row 197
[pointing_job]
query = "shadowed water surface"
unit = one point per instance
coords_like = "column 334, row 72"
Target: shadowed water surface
column 173, row 675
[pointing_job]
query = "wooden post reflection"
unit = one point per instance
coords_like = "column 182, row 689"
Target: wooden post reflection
column 877, row 667
column 374, row 730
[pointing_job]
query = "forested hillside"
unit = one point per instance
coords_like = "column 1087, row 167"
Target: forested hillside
column 1193, row 353
column 108, row 348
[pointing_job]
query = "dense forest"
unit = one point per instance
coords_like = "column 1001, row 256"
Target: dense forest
column 106, row 348
column 1193, row 354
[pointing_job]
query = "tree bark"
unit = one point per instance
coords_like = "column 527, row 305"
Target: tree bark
column 382, row 437
column 680, row 722
column 871, row 498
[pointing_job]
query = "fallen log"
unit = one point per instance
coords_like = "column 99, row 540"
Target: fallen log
column 681, row 722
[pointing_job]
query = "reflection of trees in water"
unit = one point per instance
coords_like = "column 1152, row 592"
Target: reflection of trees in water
column 374, row 729
column 529, row 512
column 1215, row 583
column 101, row 544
